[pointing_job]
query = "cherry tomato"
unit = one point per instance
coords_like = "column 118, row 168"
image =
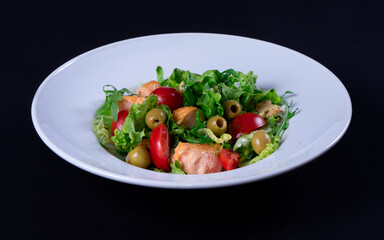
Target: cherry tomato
column 229, row 159
column 245, row 123
column 169, row 96
column 159, row 147
column 121, row 116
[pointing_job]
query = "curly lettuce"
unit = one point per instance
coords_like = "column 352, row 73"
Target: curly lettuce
column 225, row 137
column 102, row 132
column 207, row 91
column 176, row 168
column 212, row 88
column 268, row 150
column 134, row 129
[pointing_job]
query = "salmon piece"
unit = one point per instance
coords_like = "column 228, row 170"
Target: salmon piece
column 146, row 89
column 198, row 158
column 127, row 102
column 266, row 109
column 186, row 116
column 181, row 87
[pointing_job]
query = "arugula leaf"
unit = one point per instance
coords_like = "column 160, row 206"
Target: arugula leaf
column 286, row 92
column 283, row 125
column 277, row 125
column 110, row 109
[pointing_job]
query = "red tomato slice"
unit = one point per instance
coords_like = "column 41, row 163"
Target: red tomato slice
column 229, row 159
column 159, row 147
column 169, row 96
column 245, row 123
column 121, row 116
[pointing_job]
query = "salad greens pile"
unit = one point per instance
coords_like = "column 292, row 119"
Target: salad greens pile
column 208, row 92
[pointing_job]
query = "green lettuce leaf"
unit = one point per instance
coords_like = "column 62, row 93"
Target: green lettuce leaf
column 176, row 168
column 244, row 147
column 247, row 82
column 225, row 137
column 134, row 129
column 160, row 74
column 102, row 133
column 172, row 126
column 210, row 104
column 175, row 131
column 229, row 93
column 180, row 133
column 194, row 135
column 268, row 150
column 174, row 80
column 249, row 100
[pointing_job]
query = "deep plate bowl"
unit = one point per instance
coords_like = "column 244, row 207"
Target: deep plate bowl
column 66, row 102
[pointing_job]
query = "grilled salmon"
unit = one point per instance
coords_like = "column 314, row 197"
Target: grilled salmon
column 186, row 116
column 198, row 158
column 266, row 109
column 181, row 87
column 127, row 102
column 146, row 89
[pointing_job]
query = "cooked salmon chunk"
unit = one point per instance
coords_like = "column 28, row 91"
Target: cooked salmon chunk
column 181, row 87
column 198, row 158
column 146, row 89
column 185, row 116
column 127, row 102
column 266, row 109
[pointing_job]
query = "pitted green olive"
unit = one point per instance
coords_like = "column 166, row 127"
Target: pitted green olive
column 139, row 157
column 259, row 140
column 232, row 109
column 218, row 125
column 155, row 117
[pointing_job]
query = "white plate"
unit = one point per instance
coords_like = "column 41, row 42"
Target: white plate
column 66, row 101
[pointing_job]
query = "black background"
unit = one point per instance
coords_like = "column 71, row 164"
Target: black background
column 340, row 195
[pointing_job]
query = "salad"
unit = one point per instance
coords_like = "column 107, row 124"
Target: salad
column 193, row 123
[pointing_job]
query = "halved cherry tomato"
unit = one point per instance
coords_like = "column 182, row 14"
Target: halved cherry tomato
column 229, row 159
column 159, row 147
column 245, row 123
column 121, row 116
column 169, row 96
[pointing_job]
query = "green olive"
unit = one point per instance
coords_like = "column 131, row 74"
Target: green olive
column 259, row 140
column 139, row 157
column 155, row 117
column 218, row 125
column 232, row 109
